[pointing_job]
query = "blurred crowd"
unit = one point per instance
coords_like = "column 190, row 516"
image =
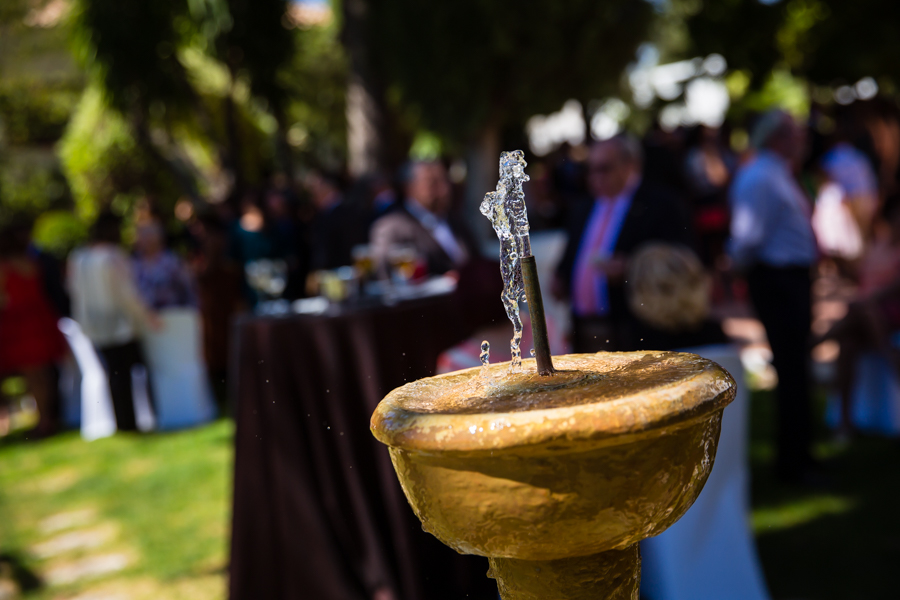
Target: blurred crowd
column 659, row 230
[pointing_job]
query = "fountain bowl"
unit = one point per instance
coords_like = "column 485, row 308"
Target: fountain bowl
column 557, row 478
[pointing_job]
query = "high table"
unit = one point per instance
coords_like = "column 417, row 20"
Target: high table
column 318, row 512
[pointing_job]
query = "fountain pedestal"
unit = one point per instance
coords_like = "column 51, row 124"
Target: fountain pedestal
column 556, row 479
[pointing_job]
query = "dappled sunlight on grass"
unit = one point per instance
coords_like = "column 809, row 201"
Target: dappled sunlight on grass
column 767, row 519
column 144, row 513
column 840, row 540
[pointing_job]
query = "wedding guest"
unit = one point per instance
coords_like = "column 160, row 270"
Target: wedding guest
column 107, row 305
column 850, row 169
column 336, row 226
column 668, row 291
column 219, row 280
column 708, row 170
column 163, row 281
column 291, row 239
column 772, row 241
column 30, row 342
column 251, row 236
column 625, row 213
column 873, row 319
column 424, row 223
column 252, row 239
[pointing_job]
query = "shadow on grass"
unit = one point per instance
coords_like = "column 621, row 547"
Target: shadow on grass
column 839, row 542
column 12, row 566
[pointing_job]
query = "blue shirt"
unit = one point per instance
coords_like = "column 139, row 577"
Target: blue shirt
column 770, row 216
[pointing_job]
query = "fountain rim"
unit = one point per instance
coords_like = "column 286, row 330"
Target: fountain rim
column 580, row 427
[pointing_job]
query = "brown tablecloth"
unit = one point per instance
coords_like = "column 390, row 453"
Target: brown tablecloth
column 318, row 512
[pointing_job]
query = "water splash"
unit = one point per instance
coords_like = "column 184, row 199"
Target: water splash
column 485, row 356
column 505, row 208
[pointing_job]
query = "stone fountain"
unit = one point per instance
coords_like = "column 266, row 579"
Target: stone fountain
column 554, row 468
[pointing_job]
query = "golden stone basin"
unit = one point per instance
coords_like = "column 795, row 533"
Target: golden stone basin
column 556, row 479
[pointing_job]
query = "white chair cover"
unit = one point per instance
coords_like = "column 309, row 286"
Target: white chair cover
column 710, row 554
column 875, row 406
column 98, row 420
column 178, row 376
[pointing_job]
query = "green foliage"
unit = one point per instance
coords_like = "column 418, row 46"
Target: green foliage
column 104, row 164
column 257, row 45
column 462, row 64
column 29, row 185
column 316, row 82
column 198, row 79
column 35, row 113
column 743, row 31
column 130, row 47
column 779, row 90
column 254, row 128
column 58, row 232
column 824, row 41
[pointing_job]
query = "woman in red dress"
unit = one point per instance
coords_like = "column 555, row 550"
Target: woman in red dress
column 30, row 342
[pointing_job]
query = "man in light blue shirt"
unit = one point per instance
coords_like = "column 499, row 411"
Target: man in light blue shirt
column 772, row 241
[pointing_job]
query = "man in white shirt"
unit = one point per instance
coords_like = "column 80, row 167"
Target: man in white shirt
column 424, row 223
column 772, row 241
column 106, row 303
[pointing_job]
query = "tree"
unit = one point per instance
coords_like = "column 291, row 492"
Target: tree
column 471, row 68
column 253, row 40
column 140, row 53
column 130, row 49
column 825, row 41
column 40, row 85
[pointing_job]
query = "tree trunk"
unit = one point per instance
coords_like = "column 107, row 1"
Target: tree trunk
column 483, row 169
column 232, row 155
column 143, row 138
column 283, row 154
column 366, row 122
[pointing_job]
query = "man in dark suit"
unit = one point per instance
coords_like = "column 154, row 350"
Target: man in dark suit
column 625, row 212
column 337, row 225
column 424, row 223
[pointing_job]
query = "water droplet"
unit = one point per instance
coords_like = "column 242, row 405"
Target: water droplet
column 485, row 355
column 531, row 352
column 473, row 429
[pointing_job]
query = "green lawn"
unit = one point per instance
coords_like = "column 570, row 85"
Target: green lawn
column 160, row 503
column 841, row 543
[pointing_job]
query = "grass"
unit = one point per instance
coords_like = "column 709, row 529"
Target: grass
column 163, row 502
column 840, row 543
column 160, row 501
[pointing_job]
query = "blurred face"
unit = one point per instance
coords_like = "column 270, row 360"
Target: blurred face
column 430, row 187
column 214, row 244
column 149, row 240
column 321, row 191
column 790, row 141
column 608, row 170
column 277, row 205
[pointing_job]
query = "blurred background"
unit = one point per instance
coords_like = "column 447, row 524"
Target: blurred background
column 228, row 228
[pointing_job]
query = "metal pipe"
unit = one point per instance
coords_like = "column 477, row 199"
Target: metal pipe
column 538, row 321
